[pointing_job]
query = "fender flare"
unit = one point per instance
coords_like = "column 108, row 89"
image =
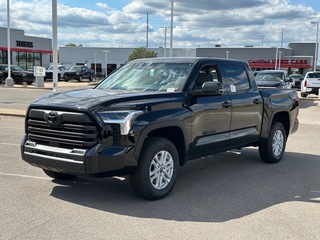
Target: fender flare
column 157, row 125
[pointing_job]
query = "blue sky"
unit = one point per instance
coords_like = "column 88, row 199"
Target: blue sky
column 204, row 23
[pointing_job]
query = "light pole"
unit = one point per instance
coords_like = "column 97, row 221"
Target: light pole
column 280, row 59
column 165, row 41
column 106, row 61
column 55, row 45
column 227, row 53
column 9, row 80
column 171, row 33
column 95, row 64
column 316, row 48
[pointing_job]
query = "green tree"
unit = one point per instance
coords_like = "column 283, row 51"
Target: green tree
column 141, row 52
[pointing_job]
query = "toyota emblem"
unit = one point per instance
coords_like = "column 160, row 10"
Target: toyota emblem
column 52, row 118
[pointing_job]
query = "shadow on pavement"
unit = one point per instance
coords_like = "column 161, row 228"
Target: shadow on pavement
column 215, row 189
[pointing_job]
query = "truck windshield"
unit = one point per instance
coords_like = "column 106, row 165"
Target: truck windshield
column 148, row 76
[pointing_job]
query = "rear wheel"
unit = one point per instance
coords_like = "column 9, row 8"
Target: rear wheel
column 80, row 79
column 304, row 94
column 18, row 80
column 58, row 175
column 272, row 149
column 157, row 169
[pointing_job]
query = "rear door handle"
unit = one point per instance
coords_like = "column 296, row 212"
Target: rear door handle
column 257, row 101
column 226, row 104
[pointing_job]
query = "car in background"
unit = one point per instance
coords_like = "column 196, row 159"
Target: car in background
column 273, row 78
column 310, row 84
column 255, row 73
column 18, row 74
column 60, row 69
column 78, row 73
column 1, row 77
column 296, row 80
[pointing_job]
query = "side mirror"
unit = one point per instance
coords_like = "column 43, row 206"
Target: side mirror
column 212, row 87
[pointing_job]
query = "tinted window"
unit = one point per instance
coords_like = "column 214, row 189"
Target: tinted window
column 238, row 78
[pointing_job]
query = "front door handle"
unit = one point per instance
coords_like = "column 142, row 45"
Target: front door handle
column 226, row 104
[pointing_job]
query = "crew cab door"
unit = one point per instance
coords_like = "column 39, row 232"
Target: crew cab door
column 247, row 104
column 211, row 113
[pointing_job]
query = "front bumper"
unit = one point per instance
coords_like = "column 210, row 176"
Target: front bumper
column 97, row 161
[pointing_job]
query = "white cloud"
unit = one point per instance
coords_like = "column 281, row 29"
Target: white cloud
column 202, row 22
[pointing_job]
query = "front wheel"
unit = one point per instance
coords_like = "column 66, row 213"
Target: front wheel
column 157, row 169
column 58, row 175
column 272, row 149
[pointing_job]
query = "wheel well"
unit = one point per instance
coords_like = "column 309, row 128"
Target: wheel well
column 175, row 135
column 283, row 117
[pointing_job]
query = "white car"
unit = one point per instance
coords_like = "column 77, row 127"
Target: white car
column 49, row 70
column 310, row 84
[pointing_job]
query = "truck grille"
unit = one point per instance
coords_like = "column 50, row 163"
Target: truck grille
column 61, row 129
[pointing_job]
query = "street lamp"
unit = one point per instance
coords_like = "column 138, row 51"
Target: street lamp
column 227, row 52
column 106, row 61
column 280, row 60
column 316, row 48
column 171, row 33
column 9, row 80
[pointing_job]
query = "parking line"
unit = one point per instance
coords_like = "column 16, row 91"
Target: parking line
column 24, row 176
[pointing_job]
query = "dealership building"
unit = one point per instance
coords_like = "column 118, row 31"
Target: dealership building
column 29, row 51
column 26, row 51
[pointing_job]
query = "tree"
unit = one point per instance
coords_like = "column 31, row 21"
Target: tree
column 141, row 52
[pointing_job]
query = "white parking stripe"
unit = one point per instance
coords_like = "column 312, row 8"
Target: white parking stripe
column 10, row 144
column 24, row 176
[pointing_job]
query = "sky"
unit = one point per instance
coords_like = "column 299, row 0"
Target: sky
column 201, row 23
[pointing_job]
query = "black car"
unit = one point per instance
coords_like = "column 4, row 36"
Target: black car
column 1, row 77
column 78, row 73
column 18, row 74
column 296, row 80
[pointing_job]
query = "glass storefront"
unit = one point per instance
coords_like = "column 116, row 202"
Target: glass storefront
column 26, row 60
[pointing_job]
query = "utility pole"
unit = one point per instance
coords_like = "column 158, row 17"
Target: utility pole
column 9, row 80
column 171, row 33
column 147, row 30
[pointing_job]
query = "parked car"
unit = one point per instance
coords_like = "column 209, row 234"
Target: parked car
column 1, row 77
column 310, row 84
column 60, row 69
column 273, row 78
column 18, row 74
column 78, row 73
column 296, row 80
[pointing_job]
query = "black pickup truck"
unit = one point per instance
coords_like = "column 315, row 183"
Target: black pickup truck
column 153, row 115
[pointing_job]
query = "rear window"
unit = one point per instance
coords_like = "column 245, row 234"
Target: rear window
column 313, row 75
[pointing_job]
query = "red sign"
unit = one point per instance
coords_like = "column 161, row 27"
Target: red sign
column 284, row 63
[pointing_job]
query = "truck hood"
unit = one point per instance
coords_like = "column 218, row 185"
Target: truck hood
column 82, row 99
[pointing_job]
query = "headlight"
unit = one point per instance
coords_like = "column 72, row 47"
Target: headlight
column 123, row 118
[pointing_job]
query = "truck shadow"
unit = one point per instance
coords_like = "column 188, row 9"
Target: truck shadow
column 213, row 189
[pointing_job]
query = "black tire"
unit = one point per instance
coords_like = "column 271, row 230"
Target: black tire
column 272, row 149
column 80, row 78
column 59, row 176
column 90, row 78
column 29, row 82
column 150, row 173
column 18, row 80
column 304, row 94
